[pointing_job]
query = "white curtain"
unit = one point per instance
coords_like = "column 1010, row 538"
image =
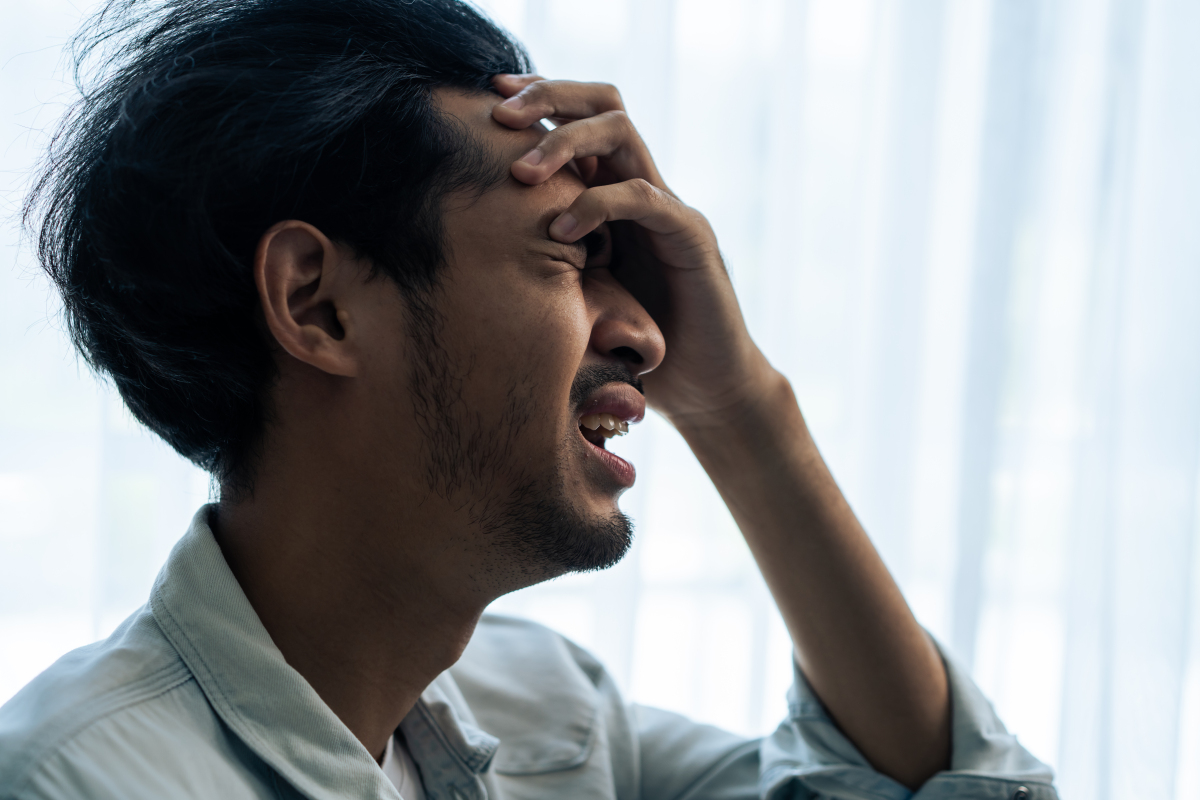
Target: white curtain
column 967, row 230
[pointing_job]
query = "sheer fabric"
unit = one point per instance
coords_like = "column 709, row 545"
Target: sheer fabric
column 966, row 230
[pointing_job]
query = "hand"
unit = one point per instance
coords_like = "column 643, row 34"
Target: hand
column 877, row 672
column 665, row 252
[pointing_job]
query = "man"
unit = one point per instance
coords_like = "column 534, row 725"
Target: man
column 328, row 252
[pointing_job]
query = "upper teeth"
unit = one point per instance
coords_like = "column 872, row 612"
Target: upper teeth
column 608, row 425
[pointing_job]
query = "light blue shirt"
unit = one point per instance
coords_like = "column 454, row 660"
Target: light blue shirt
column 191, row 698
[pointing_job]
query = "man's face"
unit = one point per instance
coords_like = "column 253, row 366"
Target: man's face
column 525, row 338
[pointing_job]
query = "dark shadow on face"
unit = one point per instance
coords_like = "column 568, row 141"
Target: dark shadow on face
column 543, row 523
column 500, row 429
column 525, row 510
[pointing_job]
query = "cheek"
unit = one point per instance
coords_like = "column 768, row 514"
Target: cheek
column 522, row 348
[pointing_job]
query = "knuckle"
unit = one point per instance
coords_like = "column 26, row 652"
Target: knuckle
column 619, row 118
column 534, row 91
column 611, row 94
column 645, row 190
column 556, row 142
column 540, row 91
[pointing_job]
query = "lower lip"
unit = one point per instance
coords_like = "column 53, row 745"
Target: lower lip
column 621, row 469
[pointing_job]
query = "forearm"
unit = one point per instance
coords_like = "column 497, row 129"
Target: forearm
column 862, row 651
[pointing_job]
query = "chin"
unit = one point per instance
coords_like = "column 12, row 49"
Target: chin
column 550, row 531
column 602, row 544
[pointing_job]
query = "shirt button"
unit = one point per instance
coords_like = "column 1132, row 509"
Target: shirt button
column 1022, row 793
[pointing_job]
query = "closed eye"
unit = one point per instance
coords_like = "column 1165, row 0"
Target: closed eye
column 593, row 243
column 598, row 246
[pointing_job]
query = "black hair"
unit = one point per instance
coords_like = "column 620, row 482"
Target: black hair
column 203, row 122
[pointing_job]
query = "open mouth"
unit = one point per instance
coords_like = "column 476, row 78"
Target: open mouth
column 599, row 428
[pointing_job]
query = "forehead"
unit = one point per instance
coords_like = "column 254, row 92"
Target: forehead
column 511, row 205
column 474, row 110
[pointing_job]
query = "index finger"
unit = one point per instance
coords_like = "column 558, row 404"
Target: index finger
column 557, row 99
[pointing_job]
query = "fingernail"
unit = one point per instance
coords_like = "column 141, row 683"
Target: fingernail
column 564, row 225
column 533, row 157
column 516, row 103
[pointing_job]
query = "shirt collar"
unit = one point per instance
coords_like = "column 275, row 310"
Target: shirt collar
column 204, row 613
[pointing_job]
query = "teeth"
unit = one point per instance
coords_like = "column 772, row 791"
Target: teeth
column 608, row 425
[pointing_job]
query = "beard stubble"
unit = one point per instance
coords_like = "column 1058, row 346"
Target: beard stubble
column 525, row 510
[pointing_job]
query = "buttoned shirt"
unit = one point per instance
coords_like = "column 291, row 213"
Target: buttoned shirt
column 189, row 697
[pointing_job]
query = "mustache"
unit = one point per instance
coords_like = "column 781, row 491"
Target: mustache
column 596, row 376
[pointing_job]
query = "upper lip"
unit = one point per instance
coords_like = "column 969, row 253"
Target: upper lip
column 619, row 399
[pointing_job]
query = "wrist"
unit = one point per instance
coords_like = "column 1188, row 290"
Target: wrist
column 764, row 412
column 760, row 456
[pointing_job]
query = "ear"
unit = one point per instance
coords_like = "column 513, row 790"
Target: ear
column 298, row 272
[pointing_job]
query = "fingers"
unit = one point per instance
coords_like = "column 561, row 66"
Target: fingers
column 530, row 98
column 636, row 200
column 609, row 136
column 594, row 130
column 508, row 84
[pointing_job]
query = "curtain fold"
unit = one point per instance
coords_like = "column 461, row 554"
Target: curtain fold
column 967, row 232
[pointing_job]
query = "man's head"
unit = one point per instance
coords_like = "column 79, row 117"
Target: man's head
column 287, row 232
column 204, row 122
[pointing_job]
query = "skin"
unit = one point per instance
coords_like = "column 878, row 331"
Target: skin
column 371, row 579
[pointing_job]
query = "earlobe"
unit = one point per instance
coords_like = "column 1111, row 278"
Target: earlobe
column 298, row 272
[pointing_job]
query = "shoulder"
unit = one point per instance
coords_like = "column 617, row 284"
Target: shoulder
column 112, row 720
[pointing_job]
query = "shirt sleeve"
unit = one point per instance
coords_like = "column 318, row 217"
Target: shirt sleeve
column 809, row 757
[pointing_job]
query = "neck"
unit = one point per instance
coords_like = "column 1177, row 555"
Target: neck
column 351, row 601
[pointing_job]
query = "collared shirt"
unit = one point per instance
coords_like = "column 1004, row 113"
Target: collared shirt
column 190, row 698
column 399, row 768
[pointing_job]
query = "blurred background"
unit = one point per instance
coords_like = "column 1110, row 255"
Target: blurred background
column 969, row 233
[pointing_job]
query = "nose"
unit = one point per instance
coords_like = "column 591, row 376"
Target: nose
column 622, row 329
